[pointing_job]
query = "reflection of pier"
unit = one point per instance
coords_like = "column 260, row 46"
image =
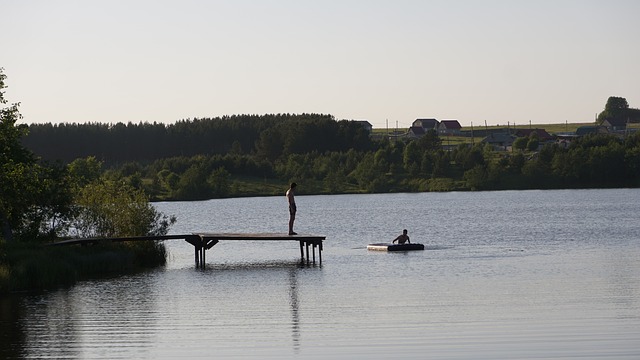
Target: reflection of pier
column 205, row 241
column 295, row 309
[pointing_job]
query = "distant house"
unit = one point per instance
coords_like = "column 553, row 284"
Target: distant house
column 426, row 124
column 416, row 132
column 614, row 124
column 365, row 124
column 500, row 141
column 591, row 129
column 449, row 127
column 542, row 134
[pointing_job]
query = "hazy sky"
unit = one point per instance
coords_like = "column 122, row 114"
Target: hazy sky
column 152, row 60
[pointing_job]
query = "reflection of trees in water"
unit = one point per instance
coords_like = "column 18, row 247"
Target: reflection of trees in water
column 12, row 336
column 46, row 325
column 119, row 312
column 295, row 310
column 65, row 324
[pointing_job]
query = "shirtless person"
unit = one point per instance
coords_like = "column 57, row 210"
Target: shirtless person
column 402, row 238
column 292, row 207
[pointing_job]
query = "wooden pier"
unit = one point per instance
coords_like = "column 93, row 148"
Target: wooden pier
column 205, row 241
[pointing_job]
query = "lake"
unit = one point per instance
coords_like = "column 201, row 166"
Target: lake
column 505, row 275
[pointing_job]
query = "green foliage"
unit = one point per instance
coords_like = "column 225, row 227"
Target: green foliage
column 267, row 137
column 254, row 155
column 477, row 178
column 29, row 267
column 31, row 192
column 469, row 157
column 38, row 202
column 441, row 164
column 615, row 108
column 595, row 161
column 412, row 159
column 520, row 143
column 441, row 184
column 110, row 209
column 430, row 141
column 85, row 170
column 219, row 182
column 193, row 183
column 52, row 210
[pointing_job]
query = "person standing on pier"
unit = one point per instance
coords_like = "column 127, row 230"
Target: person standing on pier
column 292, row 207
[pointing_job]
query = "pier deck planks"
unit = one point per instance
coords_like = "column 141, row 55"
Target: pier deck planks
column 260, row 236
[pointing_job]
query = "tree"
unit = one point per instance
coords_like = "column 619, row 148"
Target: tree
column 412, row 158
column 18, row 171
column 85, row 170
column 533, row 143
column 476, row 178
column 109, row 209
column 334, row 181
column 269, row 145
column 616, row 108
column 441, row 165
column 219, row 182
column 52, row 211
column 520, row 143
column 193, row 184
column 430, row 141
column 473, row 158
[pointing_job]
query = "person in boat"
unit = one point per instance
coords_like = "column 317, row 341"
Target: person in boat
column 401, row 239
column 292, row 207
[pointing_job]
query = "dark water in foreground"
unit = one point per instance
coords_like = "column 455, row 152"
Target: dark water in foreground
column 506, row 275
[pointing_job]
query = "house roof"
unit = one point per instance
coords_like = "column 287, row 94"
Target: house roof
column 417, row 130
column 591, row 129
column 451, row 124
column 615, row 122
column 363, row 122
column 542, row 133
column 367, row 125
column 499, row 138
column 428, row 123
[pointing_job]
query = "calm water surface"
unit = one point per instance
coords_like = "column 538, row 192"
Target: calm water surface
column 506, row 275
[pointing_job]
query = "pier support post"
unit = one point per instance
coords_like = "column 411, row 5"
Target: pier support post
column 203, row 252
column 307, row 244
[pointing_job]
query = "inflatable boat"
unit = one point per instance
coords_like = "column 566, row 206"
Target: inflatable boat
column 394, row 247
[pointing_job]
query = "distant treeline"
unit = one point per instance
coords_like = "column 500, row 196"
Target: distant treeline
column 258, row 155
column 265, row 136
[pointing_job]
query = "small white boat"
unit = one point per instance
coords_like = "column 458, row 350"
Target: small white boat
column 394, row 247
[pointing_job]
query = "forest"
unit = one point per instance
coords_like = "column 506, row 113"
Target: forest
column 247, row 155
column 265, row 137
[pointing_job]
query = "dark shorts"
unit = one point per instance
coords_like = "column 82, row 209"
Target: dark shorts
column 292, row 210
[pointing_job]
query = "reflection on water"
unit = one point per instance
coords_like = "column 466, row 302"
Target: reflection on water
column 295, row 316
column 55, row 317
column 504, row 275
column 12, row 335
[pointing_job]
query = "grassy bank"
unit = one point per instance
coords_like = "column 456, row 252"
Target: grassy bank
column 35, row 267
